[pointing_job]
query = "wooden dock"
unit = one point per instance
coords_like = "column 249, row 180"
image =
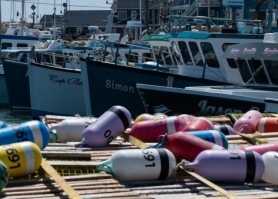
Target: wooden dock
column 70, row 172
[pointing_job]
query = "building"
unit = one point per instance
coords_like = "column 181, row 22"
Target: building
column 152, row 14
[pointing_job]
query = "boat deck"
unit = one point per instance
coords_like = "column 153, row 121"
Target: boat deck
column 76, row 177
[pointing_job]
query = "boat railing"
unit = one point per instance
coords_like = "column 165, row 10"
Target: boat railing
column 56, row 59
column 178, row 23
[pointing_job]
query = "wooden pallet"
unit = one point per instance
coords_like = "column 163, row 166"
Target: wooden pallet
column 70, row 172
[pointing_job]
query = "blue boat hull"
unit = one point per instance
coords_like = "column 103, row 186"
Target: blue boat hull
column 17, row 82
column 108, row 84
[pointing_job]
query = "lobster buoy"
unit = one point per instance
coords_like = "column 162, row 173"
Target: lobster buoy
column 147, row 116
column 3, row 124
column 71, row 130
column 187, row 118
column 186, row 146
column 225, row 128
column 270, row 174
column 21, row 158
column 198, row 124
column 213, row 136
column 228, row 166
column 107, row 127
column 4, row 175
column 33, row 131
column 262, row 148
column 246, row 123
column 140, row 164
column 148, row 131
column 266, row 125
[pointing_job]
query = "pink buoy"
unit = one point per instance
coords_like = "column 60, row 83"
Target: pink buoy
column 187, row 118
column 262, row 148
column 107, row 127
column 246, row 123
column 267, row 124
column 199, row 124
column 228, row 166
column 148, row 131
column 186, row 146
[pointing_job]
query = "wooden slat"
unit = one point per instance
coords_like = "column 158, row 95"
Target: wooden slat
column 56, row 176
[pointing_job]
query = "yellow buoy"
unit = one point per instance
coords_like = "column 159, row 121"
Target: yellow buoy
column 21, row 158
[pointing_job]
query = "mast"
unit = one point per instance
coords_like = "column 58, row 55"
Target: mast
column 0, row 17
column 54, row 20
column 22, row 18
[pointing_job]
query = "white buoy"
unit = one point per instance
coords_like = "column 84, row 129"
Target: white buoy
column 140, row 164
column 270, row 174
column 71, row 130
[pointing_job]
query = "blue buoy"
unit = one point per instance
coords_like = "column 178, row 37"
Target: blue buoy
column 33, row 131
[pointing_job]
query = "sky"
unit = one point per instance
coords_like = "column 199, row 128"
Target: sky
column 9, row 8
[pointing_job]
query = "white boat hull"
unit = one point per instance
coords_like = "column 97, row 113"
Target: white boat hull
column 55, row 90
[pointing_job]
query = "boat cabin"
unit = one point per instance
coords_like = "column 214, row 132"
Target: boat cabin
column 257, row 62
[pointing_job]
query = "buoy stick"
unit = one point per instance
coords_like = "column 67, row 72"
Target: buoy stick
column 253, row 138
column 59, row 180
column 140, row 144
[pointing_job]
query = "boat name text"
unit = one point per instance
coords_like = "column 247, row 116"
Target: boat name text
column 60, row 81
column 111, row 84
column 218, row 110
column 269, row 51
column 249, row 50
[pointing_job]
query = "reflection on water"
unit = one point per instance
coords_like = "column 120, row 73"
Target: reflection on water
column 13, row 117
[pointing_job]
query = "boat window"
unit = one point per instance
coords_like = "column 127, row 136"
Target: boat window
column 172, row 54
column 272, row 69
column 258, row 71
column 156, row 52
column 22, row 45
column 196, row 54
column 147, row 57
column 232, row 62
column 24, row 58
column 185, row 53
column 166, row 55
column 47, row 58
column 210, row 55
column 244, row 71
column 132, row 57
column 6, row 45
column 226, row 45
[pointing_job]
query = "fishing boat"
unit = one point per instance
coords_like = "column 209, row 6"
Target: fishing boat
column 106, row 84
column 55, row 90
column 15, row 69
column 257, row 66
column 197, row 43
column 9, row 40
column 116, row 84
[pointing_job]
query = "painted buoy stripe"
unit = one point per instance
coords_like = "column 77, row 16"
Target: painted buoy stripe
column 262, row 124
column 224, row 130
column 251, row 166
column 36, row 132
column 171, row 125
column 121, row 115
column 164, row 164
column 30, row 157
column 217, row 138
